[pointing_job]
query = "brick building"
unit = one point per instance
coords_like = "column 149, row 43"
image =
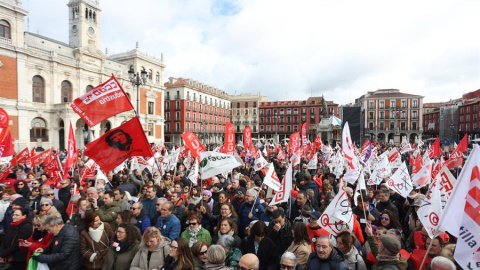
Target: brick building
column 388, row 114
column 197, row 107
column 469, row 118
column 279, row 119
column 40, row 77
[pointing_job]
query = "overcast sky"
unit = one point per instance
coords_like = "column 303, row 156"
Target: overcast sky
column 290, row 50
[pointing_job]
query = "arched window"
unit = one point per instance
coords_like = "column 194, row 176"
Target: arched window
column 66, row 92
column 88, row 88
column 150, row 74
column 157, row 77
column 38, row 130
column 38, row 89
column 5, row 29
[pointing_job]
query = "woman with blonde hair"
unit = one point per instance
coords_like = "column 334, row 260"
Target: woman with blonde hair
column 152, row 251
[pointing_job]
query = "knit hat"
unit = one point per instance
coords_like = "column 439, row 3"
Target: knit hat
column 241, row 191
column 253, row 192
column 20, row 201
column 207, row 192
column 390, row 243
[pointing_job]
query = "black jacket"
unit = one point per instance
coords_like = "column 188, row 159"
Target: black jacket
column 130, row 187
column 267, row 252
column 64, row 195
column 64, row 250
column 9, row 246
column 334, row 262
column 283, row 238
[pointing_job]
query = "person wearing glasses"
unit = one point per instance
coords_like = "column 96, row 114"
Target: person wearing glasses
column 195, row 232
column 180, row 257
column 326, row 256
column 389, row 220
column 168, row 223
column 40, row 237
column 47, row 208
column 21, row 188
column 288, row 261
column 152, row 251
column 94, row 241
column 216, row 258
column 21, row 228
column 123, row 250
column 143, row 221
column 33, row 196
column 199, row 253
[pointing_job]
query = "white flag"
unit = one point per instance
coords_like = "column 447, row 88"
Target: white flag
column 360, row 186
column 312, row 164
column 260, row 162
column 423, row 177
column 382, row 170
column 430, row 211
column 338, row 216
column 213, row 163
column 271, row 179
column 461, row 214
column 193, row 176
column 347, row 147
column 400, row 181
column 447, row 180
column 285, row 189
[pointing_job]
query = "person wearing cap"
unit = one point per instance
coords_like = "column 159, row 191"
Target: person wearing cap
column 314, row 230
column 411, row 221
column 386, row 254
column 251, row 209
column 239, row 198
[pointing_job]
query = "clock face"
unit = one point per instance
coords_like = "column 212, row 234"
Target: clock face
column 74, row 29
column 91, row 31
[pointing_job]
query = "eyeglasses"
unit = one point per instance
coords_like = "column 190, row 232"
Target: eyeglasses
column 45, row 204
column 384, row 218
column 35, row 183
column 288, row 267
column 173, row 247
column 20, row 184
column 50, row 194
column 133, row 208
column 202, row 253
column 158, row 204
column 119, row 232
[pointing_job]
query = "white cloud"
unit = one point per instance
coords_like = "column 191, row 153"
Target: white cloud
column 292, row 49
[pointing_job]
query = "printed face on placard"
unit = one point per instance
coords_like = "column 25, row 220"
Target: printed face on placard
column 119, row 139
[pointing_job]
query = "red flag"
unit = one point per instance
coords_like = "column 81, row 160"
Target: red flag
column 118, row 144
column 281, row 154
column 40, row 157
column 417, row 165
column 4, row 174
column 294, row 143
column 393, row 155
column 102, row 102
column 438, row 166
column 318, row 142
column 434, row 149
column 456, row 157
column 365, row 146
column 229, row 147
column 247, row 140
column 71, row 151
column 304, row 138
column 54, row 166
column 6, row 147
column 193, row 143
column 22, row 156
column 3, row 123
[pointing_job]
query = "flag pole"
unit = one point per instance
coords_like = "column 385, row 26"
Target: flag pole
column 426, row 253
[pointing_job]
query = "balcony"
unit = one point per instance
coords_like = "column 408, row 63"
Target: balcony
column 177, row 97
column 167, row 98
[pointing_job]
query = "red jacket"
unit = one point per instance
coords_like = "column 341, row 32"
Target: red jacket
column 41, row 243
column 316, row 232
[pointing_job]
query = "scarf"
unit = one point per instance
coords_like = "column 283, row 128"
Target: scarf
column 16, row 223
column 96, row 234
column 231, row 232
column 45, row 211
column 82, row 213
column 120, row 247
column 37, row 235
column 193, row 235
column 386, row 259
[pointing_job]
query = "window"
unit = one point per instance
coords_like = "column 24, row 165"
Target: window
column 392, row 104
column 151, row 107
column 382, row 125
column 167, row 128
column 246, row 104
column 167, row 116
column 246, row 111
column 304, row 110
column 289, row 111
column 370, row 115
column 382, row 104
column 289, row 129
column 150, row 74
column 38, row 130
column 254, row 104
column 157, row 77
column 150, row 129
column 66, row 92
column 282, row 111
column 168, row 96
column 261, row 128
column 238, row 104
column 268, row 128
column 177, row 105
column 404, row 103
column 177, row 127
column 382, row 115
column 414, row 125
column 254, row 128
column 38, row 89
column 370, row 104
column 178, row 95
column 392, row 125
column 4, row 29
column 295, row 128
column 194, row 117
column 415, row 103
column 295, row 111
column 254, row 111
column 177, row 116
column 414, row 114
column 370, row 126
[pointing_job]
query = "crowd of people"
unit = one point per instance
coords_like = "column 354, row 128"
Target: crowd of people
column 140, row 219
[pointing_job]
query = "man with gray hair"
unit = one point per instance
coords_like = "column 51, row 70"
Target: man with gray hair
column 233, row 254
column 442, row 263
column 288, row 261
column 63, row 251
column 249, row 261
column 143, row 221
column 168, row 223
column 326, row 256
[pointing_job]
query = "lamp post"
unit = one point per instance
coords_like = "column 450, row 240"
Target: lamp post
column 275, row 117
column 137, row 79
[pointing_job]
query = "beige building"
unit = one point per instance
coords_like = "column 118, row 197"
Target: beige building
column 40, row 77
column 245, row 111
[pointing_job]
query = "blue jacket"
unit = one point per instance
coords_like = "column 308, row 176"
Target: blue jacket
column 334, row 261
column 149, row 207
column 170, row 226
column 143, row 222
column 244, row 210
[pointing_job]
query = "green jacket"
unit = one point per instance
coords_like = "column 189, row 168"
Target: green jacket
column 108, row 213
column 203, row 235
column 233, row 257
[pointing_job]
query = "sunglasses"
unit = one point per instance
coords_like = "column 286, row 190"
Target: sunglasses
column 193, row 223
column 384, row 218
column 158, row 204
column 173, row 247
column 288, row 267
column 50, row 194
column 20, row 184
column 202, row 253
column 45, row 204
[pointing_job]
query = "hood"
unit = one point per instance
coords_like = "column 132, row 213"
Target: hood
column 114, row 204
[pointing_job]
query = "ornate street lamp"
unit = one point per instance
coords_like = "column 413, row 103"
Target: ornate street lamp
column 137, row 79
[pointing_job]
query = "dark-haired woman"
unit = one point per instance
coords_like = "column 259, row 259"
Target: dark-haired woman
column 123, row 249
column 180, row 256
column 21, row 229
column 261, row 245
column 78, row 217
column 227, row 227
column 95, row 240
column 301, row 245
column 21, row 188
column 346, row 244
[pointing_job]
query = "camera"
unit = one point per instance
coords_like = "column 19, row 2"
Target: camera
column 90, row 200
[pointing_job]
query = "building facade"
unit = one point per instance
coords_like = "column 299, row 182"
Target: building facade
column 279, row 119
column 469, row 118
column 388, row 115
column 40, row 77
column 197, row 107
column 245, row 112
